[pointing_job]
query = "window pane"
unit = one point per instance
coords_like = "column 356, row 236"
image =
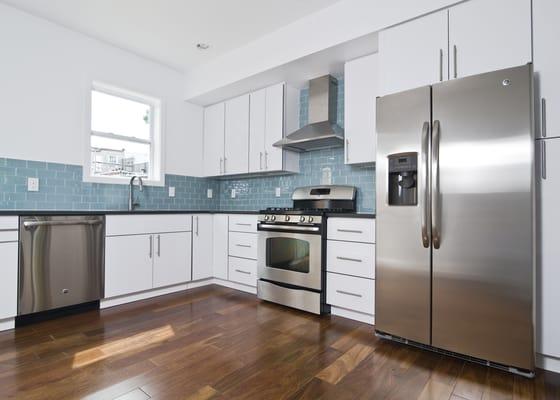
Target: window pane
column 112, row 157
column 112, row 114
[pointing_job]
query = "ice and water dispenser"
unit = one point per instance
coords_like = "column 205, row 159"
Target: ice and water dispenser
column 403, row 179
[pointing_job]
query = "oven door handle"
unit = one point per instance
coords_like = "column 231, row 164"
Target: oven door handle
column 296, row 228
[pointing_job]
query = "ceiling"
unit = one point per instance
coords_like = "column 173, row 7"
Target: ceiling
column 167, row 31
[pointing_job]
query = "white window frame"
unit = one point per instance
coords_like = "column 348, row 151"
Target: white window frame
column 156, row 176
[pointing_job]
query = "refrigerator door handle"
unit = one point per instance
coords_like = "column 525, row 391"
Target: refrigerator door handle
column 543, row 159
column 425, row 185
column 436, row 223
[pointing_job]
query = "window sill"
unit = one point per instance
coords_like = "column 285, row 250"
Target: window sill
column 122, row 181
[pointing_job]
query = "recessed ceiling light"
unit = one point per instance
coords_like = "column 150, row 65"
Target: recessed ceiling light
column 202, row 46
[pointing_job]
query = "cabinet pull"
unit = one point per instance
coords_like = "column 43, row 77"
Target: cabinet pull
column 151, row 246
column 349, row 293
column 260, row 160
column 243, row 245
column 543, row 117
column 543, row 159
column 440, row 65
column 347, row 149
column 221, row 165
column 349, row 231
column 266, row 160
column 348, row 259
column 197, row 225
column 243, row 272
column 242, row 224
column 455, row 61
column 158, row 245
column 225, row 159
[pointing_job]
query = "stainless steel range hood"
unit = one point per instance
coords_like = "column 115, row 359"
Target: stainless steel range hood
column 321, row 132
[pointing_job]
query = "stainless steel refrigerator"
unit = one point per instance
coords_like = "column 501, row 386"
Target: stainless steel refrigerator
column 455, row 218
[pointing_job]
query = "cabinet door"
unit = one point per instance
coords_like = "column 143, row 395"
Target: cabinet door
column 172, row 258
column 413, row 54
column 220, row 248
column 9, row 281
column 487, row 35
column 548, row 276
column 202, row 252
column 236, row 159
column 360, row 91
column 128, row 264
column 257, row 130
column 546, row 32
column 214, row 139
column 274, row 130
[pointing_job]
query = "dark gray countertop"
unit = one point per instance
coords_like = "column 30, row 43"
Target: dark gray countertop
column 351, row 215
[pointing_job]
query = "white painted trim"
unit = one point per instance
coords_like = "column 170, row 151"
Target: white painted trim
column 236, row 286
column 351, row 314
column 547, row 362
column 7, row 324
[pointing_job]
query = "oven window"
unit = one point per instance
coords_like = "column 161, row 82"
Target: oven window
column 288, row 254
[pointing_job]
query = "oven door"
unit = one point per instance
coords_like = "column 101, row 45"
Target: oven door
column 290, row 257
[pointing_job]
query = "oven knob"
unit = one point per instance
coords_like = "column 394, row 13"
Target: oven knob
column 266, row 217
column 273, row 218
column 310, row 219
column 302, row 219
column 287, row 218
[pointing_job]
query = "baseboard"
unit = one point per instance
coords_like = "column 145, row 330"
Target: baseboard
column 236, row 286
column 549, row 363
column 351, row 314
column 7, row 324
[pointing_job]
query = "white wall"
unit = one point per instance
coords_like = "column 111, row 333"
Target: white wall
column 343, row 21
column 45, row 73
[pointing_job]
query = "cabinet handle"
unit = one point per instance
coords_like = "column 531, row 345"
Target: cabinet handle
column 242, row 224
column 266, row 160
column 260, row 160
column 151, row 246
column 158, row 245
column 225, row 158
column 455, row 61
column 349, row 293
column 197, row 225
column 440, row 65
column 543, row 159
column 243, row 245
column 243, row 272
column 543, row 117
column 349, row 259
column 349, row 231
column 221, row 165
column 347, row 149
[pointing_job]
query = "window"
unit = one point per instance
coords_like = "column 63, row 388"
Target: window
column 124, row 137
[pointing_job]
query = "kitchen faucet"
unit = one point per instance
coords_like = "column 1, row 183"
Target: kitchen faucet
column 131, row 203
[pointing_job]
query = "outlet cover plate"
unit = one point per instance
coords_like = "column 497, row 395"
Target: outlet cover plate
column 171, row 191
column 278, row 192
column 32, row 184
column 209, row 193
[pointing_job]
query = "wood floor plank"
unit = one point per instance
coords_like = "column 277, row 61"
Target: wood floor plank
column 471, row 382
column 345, row 364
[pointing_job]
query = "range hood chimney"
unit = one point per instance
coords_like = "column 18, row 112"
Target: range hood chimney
column 321, row 132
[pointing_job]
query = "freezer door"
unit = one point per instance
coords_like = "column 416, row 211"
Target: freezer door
column 402, row 287
column 482, row 199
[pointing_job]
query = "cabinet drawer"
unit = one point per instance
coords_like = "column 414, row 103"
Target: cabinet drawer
column 147, row 223
column 350, row 292
column 8, row 236
column 351, row 229
column 243, row 245
column 351, row 258
column 243, row 223
column 242, row 270
column 8, row 223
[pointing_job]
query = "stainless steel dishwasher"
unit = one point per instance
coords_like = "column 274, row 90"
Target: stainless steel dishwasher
column 61, row 261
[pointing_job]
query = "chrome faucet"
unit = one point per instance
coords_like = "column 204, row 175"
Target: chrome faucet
column 131, row 204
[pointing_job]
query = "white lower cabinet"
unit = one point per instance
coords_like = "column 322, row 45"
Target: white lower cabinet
column 243, row 270
column 172, row 258
column 202, row 242
column 220, row 246
column 350, row 292
column 8, row 283
column 128, row 264
column 242, row 244
column 349, row 258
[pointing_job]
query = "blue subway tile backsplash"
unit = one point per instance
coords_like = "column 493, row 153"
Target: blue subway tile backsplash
column 61, row 186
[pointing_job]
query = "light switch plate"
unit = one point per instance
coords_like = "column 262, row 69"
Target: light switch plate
column 32, row 184
column 209, row 193
column 171, row 191
column 277, row 192
column 233, row 194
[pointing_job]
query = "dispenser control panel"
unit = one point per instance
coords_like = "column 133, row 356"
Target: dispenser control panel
column 403, row 179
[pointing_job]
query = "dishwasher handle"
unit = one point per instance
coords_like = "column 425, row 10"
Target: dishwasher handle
column 32, row 224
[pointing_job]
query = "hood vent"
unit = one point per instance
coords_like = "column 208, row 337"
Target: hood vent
column 321, row 132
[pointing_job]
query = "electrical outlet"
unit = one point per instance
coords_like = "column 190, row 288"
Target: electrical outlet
column 209, row 193
column 277, row 192
column 326, row 176
column 32, row 184
column 233, row 194
column 171, row 191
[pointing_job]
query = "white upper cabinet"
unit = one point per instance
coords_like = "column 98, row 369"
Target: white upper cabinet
column 214, row 120
column 236, row 159
column 257, row 128
column 487, row 35
column 360, row 91
column 413, row 54
column 274, row 127
column 202, row 251
column 546, row 31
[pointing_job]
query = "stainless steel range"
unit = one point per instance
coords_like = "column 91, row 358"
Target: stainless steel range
column 292, row 245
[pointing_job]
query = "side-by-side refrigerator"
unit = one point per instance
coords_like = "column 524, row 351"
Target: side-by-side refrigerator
column 455, row 218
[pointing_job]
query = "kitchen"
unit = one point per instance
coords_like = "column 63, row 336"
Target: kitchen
column 249, row 207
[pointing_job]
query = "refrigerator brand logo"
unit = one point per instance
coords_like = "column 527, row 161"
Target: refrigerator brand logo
column 506, row 82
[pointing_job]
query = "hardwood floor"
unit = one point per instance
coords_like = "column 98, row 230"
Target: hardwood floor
column 217, row 343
